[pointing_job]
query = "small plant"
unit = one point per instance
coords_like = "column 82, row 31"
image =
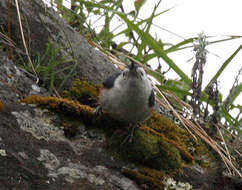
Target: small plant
column 50, row 64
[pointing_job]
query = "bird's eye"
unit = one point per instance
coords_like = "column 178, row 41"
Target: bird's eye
column 141, row 71
column 125, row 73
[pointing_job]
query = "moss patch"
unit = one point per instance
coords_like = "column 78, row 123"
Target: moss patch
column 150, row 178
column 83, row 92
column 60, row 105
column 72, row 111
column 155, row 152
column 159, row 144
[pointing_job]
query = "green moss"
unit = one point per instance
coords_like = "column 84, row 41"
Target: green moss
column 162, row 145
column 146, row 146
column 146, row 177
column 59, row 103
column 152, row 151
column 172, row 134
column 83, row 92
column 62, row 105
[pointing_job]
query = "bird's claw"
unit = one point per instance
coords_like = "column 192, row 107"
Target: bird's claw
column 130, row 136
column 98, row 111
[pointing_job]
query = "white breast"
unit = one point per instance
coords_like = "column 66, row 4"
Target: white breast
column 128, row 100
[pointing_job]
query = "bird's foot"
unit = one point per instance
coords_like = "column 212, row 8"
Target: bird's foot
column 98, row 111
column 129, row 137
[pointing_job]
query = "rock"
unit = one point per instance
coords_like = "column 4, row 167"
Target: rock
column 35, row 154
column 3, row 152
column 42, row 25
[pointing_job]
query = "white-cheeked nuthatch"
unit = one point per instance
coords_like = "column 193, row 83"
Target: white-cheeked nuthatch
column 128, row 96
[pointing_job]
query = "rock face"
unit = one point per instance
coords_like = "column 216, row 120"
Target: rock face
column 42, row 24
column 35, row 154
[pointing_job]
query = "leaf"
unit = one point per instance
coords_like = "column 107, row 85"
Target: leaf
column 177, row 46
column 156, row 74
column 149, row 22
column 58, row 2
column 232, row 122
column 192, row 46
column 234, row 93
column 121, row 44
column 225, row 64
column 180, row 88
column 178, row 91
column 138, row 4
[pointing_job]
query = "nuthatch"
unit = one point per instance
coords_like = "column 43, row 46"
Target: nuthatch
column 128, row 96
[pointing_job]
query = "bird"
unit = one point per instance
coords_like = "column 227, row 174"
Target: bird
column 128, row 96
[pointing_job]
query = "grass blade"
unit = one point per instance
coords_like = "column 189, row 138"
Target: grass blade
column 225, row 64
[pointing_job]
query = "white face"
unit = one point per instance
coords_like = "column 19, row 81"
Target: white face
column 140, row 72
column 137, row 72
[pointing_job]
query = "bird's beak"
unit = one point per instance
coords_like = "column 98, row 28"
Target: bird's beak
column 132, row 66
column 133, row 71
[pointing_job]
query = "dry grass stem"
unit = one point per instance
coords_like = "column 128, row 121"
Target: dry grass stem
column 24, row 42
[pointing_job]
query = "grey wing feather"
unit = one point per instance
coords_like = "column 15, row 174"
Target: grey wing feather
column 152, row 98
column 109, row 82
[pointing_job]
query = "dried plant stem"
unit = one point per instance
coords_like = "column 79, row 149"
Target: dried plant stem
column 174, row 112
column 24, row 42
column 226, row 148
column 217, row 148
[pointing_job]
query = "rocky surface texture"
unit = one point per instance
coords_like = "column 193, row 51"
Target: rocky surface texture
column 35, row 153
column 42, row 25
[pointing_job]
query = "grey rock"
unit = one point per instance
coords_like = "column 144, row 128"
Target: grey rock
column 49, row 159
column 123, row 183
column 23, row 155
column 3, row 152
column 45, row 24
column 95, row 180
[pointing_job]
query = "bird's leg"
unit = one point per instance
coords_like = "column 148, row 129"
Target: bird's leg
column 131, row 134
column 98, row 111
